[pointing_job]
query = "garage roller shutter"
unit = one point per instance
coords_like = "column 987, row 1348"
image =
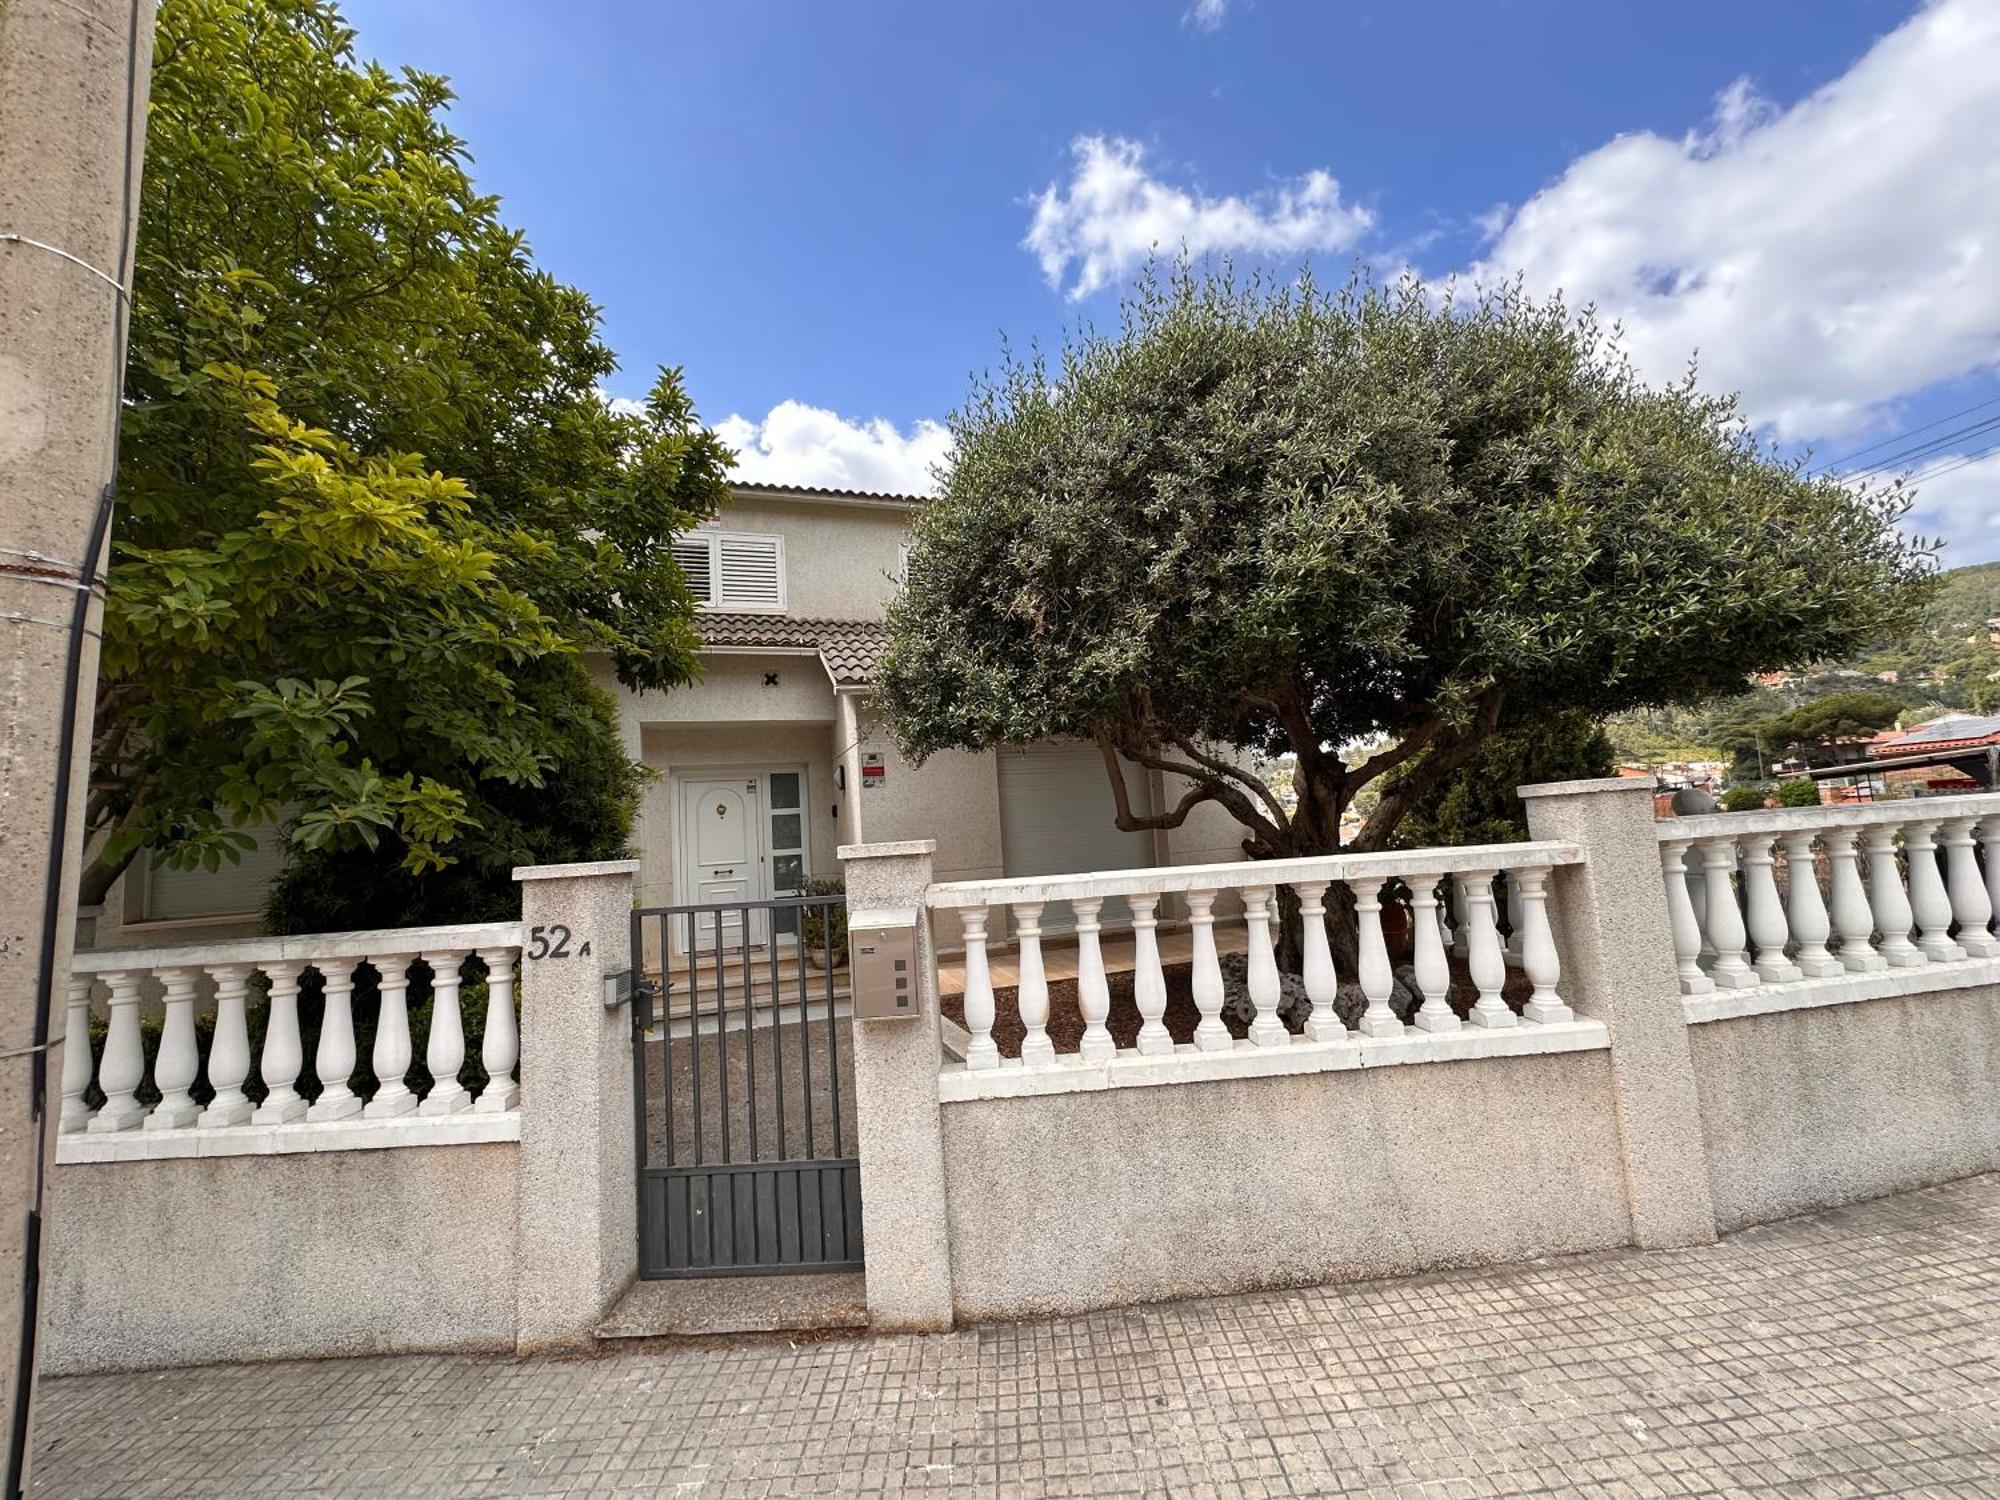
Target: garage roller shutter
column 1056, row 818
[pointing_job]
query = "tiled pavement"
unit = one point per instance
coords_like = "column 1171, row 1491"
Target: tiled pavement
column 1852, row 1353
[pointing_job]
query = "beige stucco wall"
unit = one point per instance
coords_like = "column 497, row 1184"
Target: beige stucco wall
column 202, row 1259
column 1804, row 1109
column 953, row 797
column 1075, row 1201
column 841, row 561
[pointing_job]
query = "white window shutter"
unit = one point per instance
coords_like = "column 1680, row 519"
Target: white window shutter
column 693, row 553
column 751, row 574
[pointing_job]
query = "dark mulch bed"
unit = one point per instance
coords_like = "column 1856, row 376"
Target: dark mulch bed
column 1066, row 1021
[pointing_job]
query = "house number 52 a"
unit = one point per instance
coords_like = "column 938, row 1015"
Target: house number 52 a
column 553, row 942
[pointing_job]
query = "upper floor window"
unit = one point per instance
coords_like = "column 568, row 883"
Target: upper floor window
column 733, row 569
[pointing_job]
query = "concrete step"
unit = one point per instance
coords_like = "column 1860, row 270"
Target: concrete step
column 708, row 1306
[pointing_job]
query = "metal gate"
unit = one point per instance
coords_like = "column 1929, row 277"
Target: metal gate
column 742, row 1087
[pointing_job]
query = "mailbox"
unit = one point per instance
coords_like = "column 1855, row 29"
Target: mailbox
column 883, row 960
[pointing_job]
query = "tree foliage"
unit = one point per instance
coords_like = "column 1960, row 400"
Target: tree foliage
column 1478, row 803
column 1798, row 791
column 1813, row 729
column 372, row 503
column 1259, row 520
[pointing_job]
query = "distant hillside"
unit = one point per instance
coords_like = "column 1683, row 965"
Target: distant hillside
column 1949, row 661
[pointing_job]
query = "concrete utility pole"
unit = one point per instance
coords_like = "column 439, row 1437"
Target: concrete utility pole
column 73, row 86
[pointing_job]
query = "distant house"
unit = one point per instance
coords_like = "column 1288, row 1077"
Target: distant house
column 1957, row 742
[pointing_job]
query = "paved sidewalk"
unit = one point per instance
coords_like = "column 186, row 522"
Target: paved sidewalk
column 1856, row 1352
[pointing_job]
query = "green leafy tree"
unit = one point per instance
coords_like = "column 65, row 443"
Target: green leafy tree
column 1812, row 730
column 1478, row 803
column 1252, row 521
column 373, row 506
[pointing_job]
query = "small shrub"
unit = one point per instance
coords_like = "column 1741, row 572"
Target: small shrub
column 814, row 921
column 1800, row 791
column 1743, row 798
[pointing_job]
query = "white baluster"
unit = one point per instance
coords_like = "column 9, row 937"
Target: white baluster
column 1847, row 904
column 392, row 1040
column 1989, row 845
column 1485, row 960
column 1210, row 1035
column 1890, row 902
column 981, row 1052
column 1681, row 918
column 1971, row 903
column 444, row 1048
column 1261, row 967
column 1723, row 921
column 76, row 1056
column 333, row 1061
column 1929, row 903
column 1538, row 951
column 1697, row 889
column 1512, row 893
column 1321, row 982
column 283, row 1054
column 1377, row 979
column 124, row 1062
column 178, row 1060
column 1805, row 909
column 1149, row 984
column 500, row 1042
column 1033, row 987
column 1093, row 991
column 1460, row 930
column 1767, row 927
column 1433, row 969
column 228, row 1049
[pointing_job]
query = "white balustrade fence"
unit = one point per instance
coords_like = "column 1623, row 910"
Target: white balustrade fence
column 176, row 978
column 1454, row 908
column 1866, row 888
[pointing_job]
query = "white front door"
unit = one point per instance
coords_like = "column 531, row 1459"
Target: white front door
column 722, row 843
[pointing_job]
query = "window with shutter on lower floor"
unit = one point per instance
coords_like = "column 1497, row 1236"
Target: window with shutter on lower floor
column 732, row 570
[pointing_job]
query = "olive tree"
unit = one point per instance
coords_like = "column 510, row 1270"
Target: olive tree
column 1258, row 519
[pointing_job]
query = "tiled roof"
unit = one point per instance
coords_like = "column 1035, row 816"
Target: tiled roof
column 829, row 491
column 1951, row 730
column 850, row 648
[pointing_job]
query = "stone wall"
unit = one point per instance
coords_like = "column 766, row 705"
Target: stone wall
column 1803, row 1109
column 1064, row 1202
column 202, row 1259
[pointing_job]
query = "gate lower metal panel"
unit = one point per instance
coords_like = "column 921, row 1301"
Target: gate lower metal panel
column 745, row 1163
column 750, row 1219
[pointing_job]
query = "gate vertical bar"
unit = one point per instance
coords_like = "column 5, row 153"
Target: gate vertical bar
column 806, row 1052
column 721, row 1043
column 750, row 1037
column 694, row 1026
column 778, row 1045
column 642, row 1016
column 832, row 1042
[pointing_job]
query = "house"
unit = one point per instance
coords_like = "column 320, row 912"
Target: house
column 775, row 757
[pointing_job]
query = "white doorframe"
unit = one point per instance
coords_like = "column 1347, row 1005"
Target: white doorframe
column 756, row 784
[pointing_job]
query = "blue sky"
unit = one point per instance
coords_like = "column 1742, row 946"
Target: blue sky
column 829, row 214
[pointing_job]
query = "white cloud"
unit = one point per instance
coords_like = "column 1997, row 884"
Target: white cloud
column 1113, row 214
column 1207, row 15
column 1825, row 259
column 800, row 444
column 1960, row 500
